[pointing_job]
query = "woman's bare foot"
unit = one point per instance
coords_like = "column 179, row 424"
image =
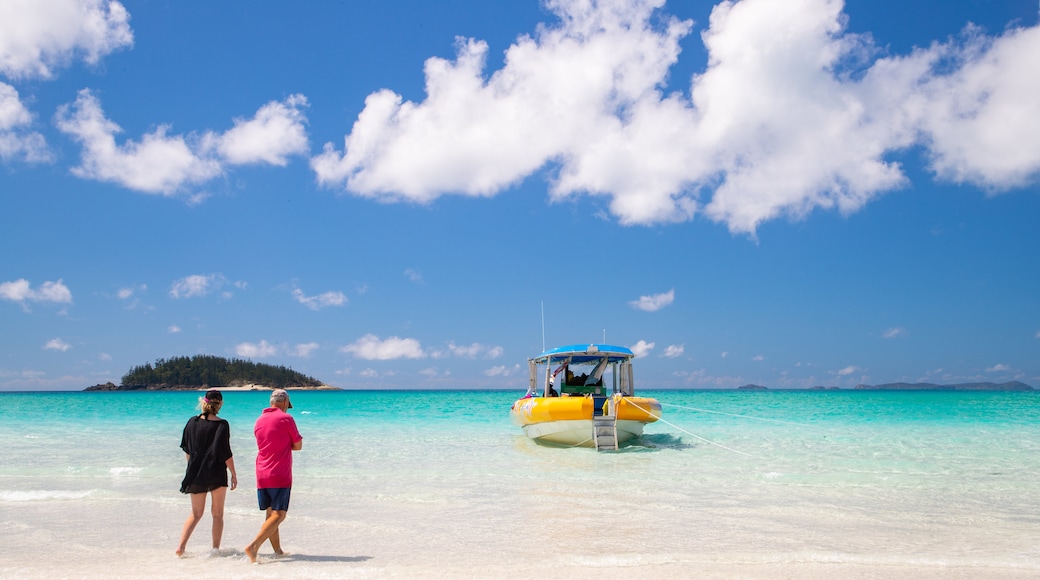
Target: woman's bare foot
column 180, row 552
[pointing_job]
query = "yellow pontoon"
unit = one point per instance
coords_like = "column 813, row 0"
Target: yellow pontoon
column 584, row 412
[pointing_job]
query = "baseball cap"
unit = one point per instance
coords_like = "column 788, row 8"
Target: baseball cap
column 279, row 395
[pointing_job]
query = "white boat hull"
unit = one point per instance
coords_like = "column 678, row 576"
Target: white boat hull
column 578, row 432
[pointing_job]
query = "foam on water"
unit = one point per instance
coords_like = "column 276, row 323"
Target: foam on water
column 41, row 495
column 437, row 484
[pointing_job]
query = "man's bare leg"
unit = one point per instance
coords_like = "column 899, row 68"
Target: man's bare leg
column 270, row 527
column 276, row 542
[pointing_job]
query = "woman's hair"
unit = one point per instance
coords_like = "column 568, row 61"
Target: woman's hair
column 210, row 404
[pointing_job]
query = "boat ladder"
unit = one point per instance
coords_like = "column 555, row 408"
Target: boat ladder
column 604, row 425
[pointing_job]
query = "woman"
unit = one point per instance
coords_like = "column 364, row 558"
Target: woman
column 207, row 443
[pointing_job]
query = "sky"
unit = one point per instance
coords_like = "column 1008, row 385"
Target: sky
column 406, row 194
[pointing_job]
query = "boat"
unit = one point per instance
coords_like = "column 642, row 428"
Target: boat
column 595, row 405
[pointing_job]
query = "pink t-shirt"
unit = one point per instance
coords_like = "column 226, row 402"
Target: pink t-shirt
column 275, row 432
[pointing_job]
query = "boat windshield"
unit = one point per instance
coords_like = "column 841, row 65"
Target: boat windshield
column 592, row 370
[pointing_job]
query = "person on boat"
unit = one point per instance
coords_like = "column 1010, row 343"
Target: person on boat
column 206, row 442
column 276, row 439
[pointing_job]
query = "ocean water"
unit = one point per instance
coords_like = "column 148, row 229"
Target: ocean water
column 732, row 484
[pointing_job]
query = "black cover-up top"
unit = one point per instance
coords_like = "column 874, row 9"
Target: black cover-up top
column 208, row 445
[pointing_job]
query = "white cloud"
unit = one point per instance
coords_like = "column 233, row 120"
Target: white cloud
column 724, row 354
column 758, row 358
column 167, row 164
column 21, row 291
column 475, row 350
column 320, row 301
column 37, row 36
column 196, row 285
column 475, row 136
column 998, row 368
column 414, row 276
column 260, row 350
column 369, row 374
column 494, row 352
column 370, row 347
column 157, row 164
column 1037, row 335
column 792, row 114
column 502, row 371
column 17, row 141
column 128, row 295
column 104, row 356
column 173, row 329
column 57, row 344
column 847, row 370
column 654, row 302
column 673, row 351
column 53, row 292
column 470, row 351
column 982, row 119
column 304, row 349
column 642, row 348
column 271, row 136
column 894, row 332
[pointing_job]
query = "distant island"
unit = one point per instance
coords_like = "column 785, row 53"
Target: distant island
column 1008, row 386
column 207, row 371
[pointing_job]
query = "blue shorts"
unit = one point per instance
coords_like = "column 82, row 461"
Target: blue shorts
column 275, row 498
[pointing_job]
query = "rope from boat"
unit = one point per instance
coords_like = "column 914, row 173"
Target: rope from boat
column 735, row 415
column 673, row 425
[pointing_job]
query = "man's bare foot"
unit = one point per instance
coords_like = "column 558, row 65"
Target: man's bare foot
column 251, row 553
column 281, row 554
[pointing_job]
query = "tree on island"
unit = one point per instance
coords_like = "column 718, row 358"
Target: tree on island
column 210, row 371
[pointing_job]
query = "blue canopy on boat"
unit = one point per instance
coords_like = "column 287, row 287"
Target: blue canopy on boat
column 587, row 353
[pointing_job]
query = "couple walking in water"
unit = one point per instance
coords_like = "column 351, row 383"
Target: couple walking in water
column 206, row 442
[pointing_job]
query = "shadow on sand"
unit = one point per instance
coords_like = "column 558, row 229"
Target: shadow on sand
column 315, row 558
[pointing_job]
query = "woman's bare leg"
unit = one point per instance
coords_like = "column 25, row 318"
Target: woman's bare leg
column 217, row 511
column 198, row 507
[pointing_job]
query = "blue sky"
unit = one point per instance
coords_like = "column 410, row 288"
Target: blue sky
column 388, row 194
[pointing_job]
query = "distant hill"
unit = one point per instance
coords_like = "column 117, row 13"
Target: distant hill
column 205, row 371
column 1008, row 386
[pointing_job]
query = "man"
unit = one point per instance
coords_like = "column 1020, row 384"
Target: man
column 276, row 439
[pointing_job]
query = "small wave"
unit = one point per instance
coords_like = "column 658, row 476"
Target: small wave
column 41, row 495
column 125, row 470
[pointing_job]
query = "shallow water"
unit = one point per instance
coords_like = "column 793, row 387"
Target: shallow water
column 440, row 484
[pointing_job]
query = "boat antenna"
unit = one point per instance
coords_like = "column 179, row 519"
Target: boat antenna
column 543, row 325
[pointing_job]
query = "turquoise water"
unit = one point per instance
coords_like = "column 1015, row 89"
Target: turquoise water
column 440, row 483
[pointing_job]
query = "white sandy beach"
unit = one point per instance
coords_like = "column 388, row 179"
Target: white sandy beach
column 135, row 539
